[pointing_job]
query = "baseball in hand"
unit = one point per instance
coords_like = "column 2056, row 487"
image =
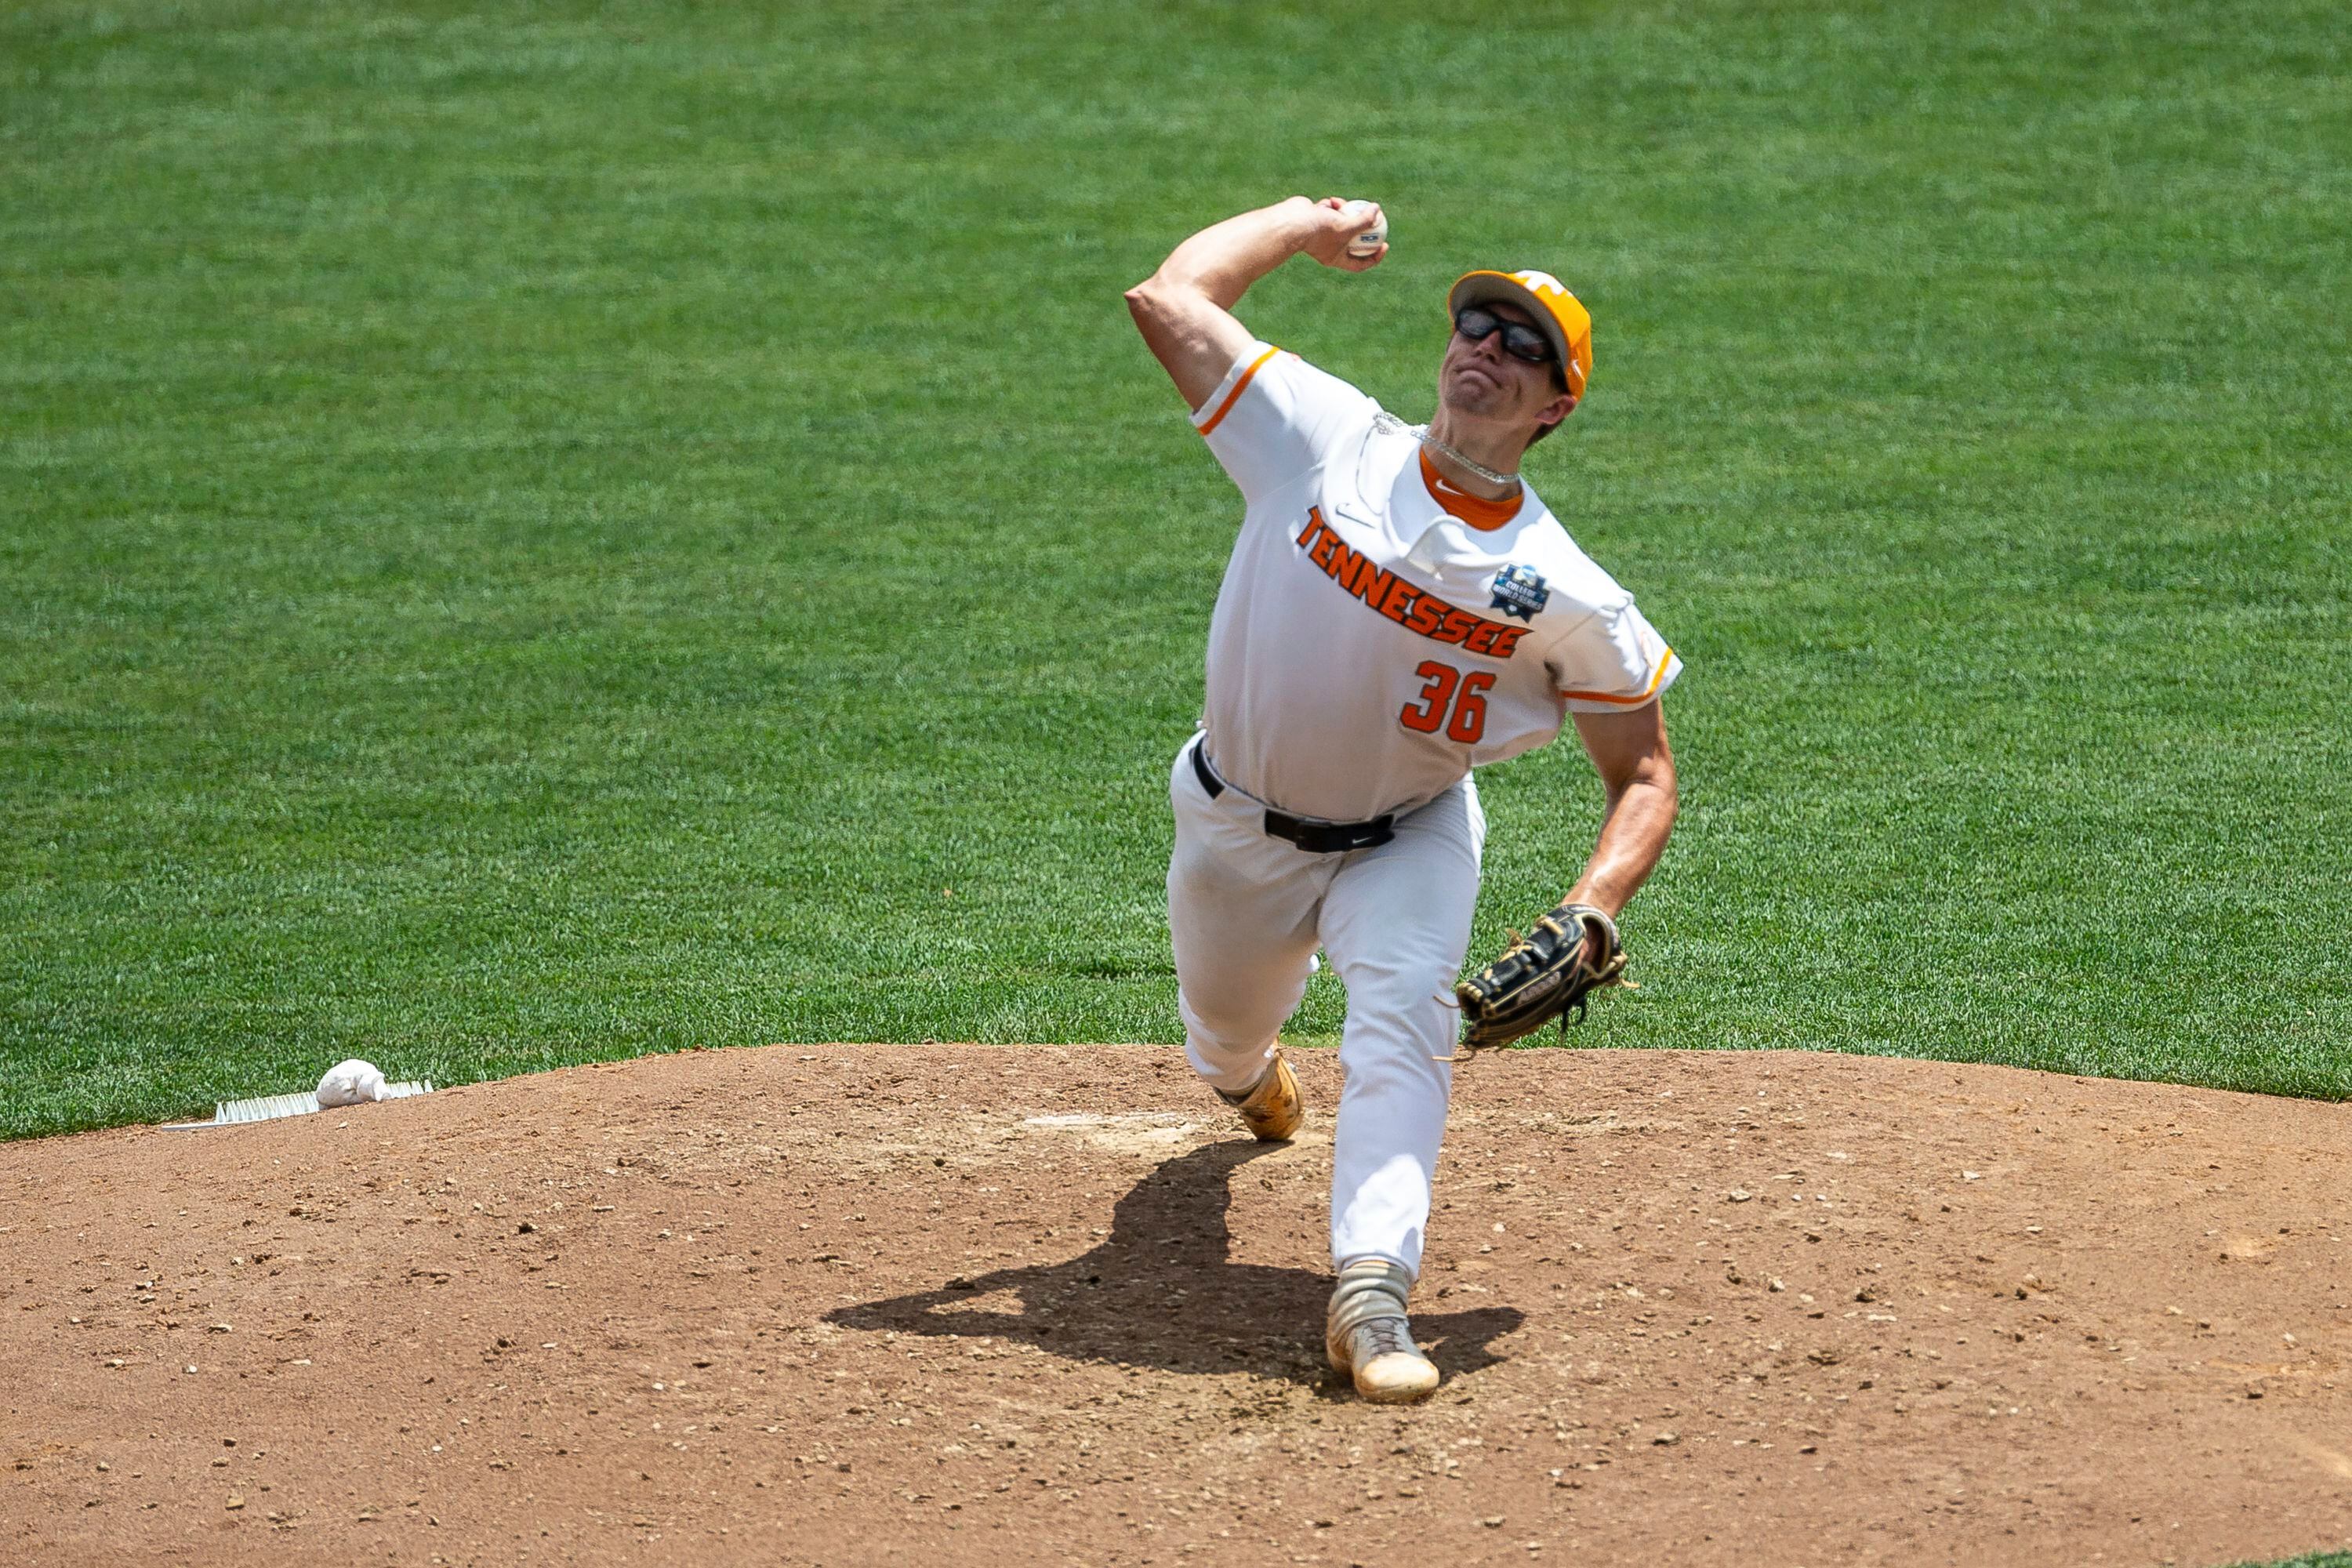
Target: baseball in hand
column 1369, row 242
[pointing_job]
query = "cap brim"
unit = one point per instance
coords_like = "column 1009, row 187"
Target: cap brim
column 1488, row 287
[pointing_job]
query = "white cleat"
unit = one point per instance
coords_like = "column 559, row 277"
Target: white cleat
column 1367, row 1336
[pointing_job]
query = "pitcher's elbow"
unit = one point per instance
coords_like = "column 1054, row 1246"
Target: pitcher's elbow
column 1143, row 300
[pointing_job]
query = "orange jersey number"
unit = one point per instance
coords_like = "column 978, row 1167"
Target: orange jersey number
column 1425, row 714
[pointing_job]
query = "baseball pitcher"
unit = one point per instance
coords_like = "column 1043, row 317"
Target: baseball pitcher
column 1399, row 607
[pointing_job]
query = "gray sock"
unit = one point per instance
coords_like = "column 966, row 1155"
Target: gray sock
column 1369, row 1287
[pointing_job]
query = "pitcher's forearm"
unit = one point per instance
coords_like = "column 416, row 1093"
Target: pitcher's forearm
column 1223, row 260
column 1633, row 837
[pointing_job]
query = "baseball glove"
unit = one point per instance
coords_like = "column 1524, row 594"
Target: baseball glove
column 1540, row 977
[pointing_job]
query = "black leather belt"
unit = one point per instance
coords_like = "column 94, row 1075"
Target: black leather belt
column 1315, row 837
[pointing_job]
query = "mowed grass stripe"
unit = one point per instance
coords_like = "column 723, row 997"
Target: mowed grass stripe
column 558, row 532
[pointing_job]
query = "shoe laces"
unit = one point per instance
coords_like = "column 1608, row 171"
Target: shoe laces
column 1385, row 1336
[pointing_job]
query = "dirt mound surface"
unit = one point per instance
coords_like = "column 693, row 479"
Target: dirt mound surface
column 963, row 1304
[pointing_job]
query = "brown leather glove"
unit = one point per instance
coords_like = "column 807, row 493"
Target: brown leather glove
column 1572, row 952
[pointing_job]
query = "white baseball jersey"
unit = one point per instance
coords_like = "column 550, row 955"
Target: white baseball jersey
column 1378, row 632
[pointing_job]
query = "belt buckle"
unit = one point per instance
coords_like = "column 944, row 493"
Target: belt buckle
column 1329, row 837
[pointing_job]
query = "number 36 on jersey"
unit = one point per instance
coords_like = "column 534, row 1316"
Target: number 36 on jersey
column 1452, row 700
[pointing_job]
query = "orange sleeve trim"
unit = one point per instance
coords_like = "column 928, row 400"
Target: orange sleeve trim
column 1646, row 693
column 1239, row 387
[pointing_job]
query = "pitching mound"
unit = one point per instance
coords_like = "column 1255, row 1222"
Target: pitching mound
column 969, row 1305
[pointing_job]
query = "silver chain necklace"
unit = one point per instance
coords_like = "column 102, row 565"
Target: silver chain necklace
column 1390, row 422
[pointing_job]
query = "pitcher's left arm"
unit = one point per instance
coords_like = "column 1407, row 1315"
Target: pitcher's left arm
column 1574, row 949
column 1637, row 769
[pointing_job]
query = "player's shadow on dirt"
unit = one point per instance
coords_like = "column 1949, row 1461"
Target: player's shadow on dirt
column 1160, row 1291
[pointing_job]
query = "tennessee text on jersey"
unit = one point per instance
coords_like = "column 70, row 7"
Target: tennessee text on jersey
column 1400, row 601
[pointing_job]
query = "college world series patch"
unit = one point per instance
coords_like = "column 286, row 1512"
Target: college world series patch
column 1520, row 591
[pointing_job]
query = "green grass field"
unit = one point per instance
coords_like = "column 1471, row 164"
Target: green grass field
column 567, row 531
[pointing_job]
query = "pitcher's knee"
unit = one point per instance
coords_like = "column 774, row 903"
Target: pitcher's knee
column 1226, row 1033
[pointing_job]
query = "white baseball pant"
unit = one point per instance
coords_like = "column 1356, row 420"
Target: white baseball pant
column 1246, row 913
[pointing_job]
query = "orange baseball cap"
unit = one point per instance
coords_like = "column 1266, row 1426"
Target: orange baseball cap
column 1559, row 315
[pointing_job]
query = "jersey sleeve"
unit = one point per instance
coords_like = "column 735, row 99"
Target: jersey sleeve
column 1273, row 417
column 1612, row 660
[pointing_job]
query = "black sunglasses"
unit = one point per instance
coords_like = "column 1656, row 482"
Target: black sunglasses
column 1518, row 342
